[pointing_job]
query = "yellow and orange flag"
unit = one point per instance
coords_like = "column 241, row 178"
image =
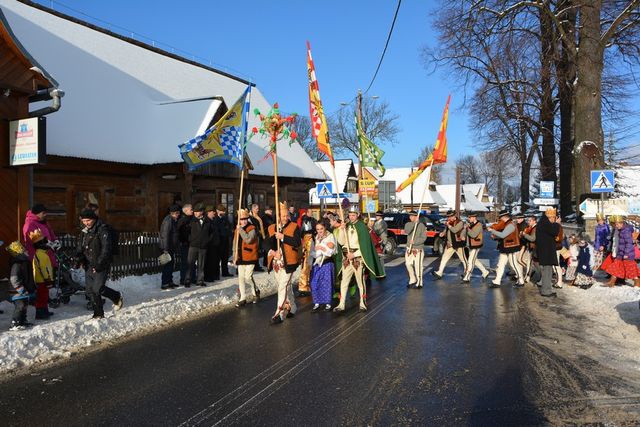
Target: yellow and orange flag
column 319, row 127
column 439, row 153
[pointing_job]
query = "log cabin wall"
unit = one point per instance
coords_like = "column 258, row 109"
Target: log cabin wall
column 137, row 197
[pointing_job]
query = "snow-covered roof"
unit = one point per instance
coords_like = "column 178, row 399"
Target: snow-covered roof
column 131, row 103
column 399, row 175
column 470, row 203
column 344, row 169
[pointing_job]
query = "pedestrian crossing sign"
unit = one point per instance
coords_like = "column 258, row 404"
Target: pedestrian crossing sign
column 602, row 181
column 324, row 190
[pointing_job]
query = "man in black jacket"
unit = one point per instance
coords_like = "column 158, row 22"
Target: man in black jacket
column 184, row 230
column 267, row 220
column 211, row 273
column 199, row 238
column 169, row 244
column 546, row 232
column 223, row 227
column 95, row 254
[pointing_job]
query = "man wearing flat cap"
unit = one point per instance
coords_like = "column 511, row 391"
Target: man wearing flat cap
column 508, row 236
column 201, row 233
column 455, row 242
column 416, row 233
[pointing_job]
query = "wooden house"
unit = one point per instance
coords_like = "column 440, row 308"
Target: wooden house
column 128, row 105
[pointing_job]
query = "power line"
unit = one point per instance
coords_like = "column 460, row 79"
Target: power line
column 395, row 16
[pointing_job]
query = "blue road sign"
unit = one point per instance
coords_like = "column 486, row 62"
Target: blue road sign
column 602, row 181
column 546, row 189
column 324, row 190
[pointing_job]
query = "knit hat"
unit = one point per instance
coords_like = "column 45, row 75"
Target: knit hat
column 88, row 214
column 38, row 208
column 174, row 208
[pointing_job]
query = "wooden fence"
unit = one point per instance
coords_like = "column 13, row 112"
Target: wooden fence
column 138, row 254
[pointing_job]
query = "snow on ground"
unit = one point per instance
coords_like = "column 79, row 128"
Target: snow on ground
column 612, row 320
column 146, row 308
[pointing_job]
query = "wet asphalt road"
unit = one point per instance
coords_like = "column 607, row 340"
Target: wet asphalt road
column 449, row 354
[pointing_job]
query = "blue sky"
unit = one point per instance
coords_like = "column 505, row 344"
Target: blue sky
column 265, row 41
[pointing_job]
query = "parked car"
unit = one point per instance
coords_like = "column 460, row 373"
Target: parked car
column 396, row 235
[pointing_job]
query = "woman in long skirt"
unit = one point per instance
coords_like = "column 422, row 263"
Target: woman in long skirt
column 621, row 263
column 586, row 263
column 322, row 272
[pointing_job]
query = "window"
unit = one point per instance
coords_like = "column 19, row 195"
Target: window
column 227, row 199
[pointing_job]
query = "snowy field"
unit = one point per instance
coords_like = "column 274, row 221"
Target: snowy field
column 146, row 308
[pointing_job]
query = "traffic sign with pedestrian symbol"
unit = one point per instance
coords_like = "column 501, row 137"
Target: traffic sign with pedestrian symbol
column 324, row 190
column 602, row 181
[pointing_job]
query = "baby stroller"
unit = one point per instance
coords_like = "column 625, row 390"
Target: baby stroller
column 64, row 284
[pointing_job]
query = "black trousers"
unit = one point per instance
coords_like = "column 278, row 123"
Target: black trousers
column 222, row 258
column 200, row 256
column 96, row 288
column 20, row 310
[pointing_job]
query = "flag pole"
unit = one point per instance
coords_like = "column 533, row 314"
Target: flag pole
column 413, row 235
column 274, row 156
column 236, row 234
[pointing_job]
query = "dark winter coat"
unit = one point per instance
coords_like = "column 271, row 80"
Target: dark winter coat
column 223, row 226
column 546, row 233
column 626, row 243
column 169, row 235
column 184, row 229
column 602, row 236
column 267, row 220
column 95, row 247
column 201, row 233
column 307, row 225
column 584, row 261
column 21, row 278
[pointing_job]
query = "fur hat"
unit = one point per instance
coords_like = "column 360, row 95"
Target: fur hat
column 243, row 214
column 36, row 235
column 504, row 212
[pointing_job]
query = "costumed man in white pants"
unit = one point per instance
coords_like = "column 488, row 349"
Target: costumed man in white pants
column 508, row 236
column 416, row 233
column 474, row 240
column 283, row 242
column 356, row 254
column 245, row 256
column 455, row 234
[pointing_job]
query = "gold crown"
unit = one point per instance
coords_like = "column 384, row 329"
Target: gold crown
column 36, row 235
column 599, row 216
column 15, row 248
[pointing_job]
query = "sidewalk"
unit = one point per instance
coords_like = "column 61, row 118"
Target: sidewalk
column 146, row 308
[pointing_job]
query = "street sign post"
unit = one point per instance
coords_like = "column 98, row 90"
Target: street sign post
column 546, row 189
column 546, row 202
column 602, row 181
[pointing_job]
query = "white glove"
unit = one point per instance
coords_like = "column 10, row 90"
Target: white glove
column 55, row 245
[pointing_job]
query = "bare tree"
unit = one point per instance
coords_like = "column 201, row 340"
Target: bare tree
column 302, row 126
column 378, row 122
column 470, row 171
column 436, row 170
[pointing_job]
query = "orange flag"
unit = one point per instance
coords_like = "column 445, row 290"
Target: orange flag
column 439, row 153
column 319, row 127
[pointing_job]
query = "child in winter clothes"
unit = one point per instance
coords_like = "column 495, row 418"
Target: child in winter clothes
column 42, row 274
column 22, row 285
column 586, row 264
column 570, row 275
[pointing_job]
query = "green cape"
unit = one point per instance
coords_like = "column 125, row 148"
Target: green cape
column 369, row 254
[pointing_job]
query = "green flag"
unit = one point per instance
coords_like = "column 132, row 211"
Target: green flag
column 370, row 154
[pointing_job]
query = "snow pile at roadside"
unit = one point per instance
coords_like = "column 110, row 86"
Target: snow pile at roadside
column 613, row 320
column 146, row 308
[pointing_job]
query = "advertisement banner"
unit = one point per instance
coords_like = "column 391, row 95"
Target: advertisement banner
column 27, row 139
